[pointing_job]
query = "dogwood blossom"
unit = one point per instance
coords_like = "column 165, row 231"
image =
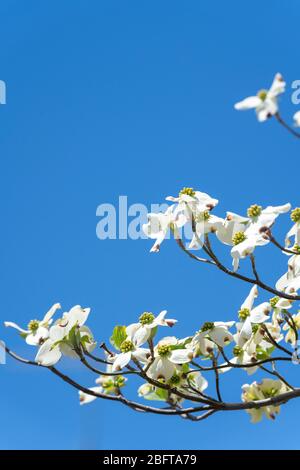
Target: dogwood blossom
column 267, row 388
column 65, row 335
column 37, row 330
column 159, row 225
column 265, row 101
column 245, row 233
column 217, row 332
column 168, row 354
column 252, row 316
column 130, row 350
column 193, row 201
column 140, row 332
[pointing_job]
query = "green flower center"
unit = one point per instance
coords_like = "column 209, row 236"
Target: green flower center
column 296, row 248
column 270, row 393
column 274, row 301
column 295, row 215
column 262, row 94
column 254, row 210
column 146, row 318
column 237, row 350
column 238, row 238
column 175, row 379
column 164, row 350
column 127, row 346
column 187, row 191
column 108, row 384
column 203, row 216
column 255, row 328
column 244, row 313
column 120, row 381
column 207, row 326
column 33, row 325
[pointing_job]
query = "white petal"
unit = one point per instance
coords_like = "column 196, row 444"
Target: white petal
column 248, row 303
column 77, row 316
column 66, row 350
column 260, row 313
column 142, row 354
column 85, row 398
column 14, row 325
column 34, row 339
column 47, row 355
column 50, row 313
column 57, row 333
column 277, row 87
column 248, row 103
column 161, row 368
column 221, row 336
column 181, row 356
column 121, row 360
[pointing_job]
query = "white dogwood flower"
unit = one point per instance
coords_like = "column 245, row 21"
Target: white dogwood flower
column 265, row 102
column 204, row 223
column 252, row 316
column 246, row 233
column 37, row 330
column 140, row 332
column 267, row 388
column 159, row 224
column 63, row 335
column 194, row 201
column 130, row 350
column 217, row 332
column 168, row 354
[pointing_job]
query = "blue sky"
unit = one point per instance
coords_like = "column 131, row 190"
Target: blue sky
column 132, row 98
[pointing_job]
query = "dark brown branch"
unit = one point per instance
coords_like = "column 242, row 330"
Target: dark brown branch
column 286, row 126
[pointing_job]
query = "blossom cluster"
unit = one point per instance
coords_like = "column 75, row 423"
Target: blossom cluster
column 171, row 367
column 242, row 232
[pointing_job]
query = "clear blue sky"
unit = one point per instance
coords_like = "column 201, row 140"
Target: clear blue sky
column 133, row 98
